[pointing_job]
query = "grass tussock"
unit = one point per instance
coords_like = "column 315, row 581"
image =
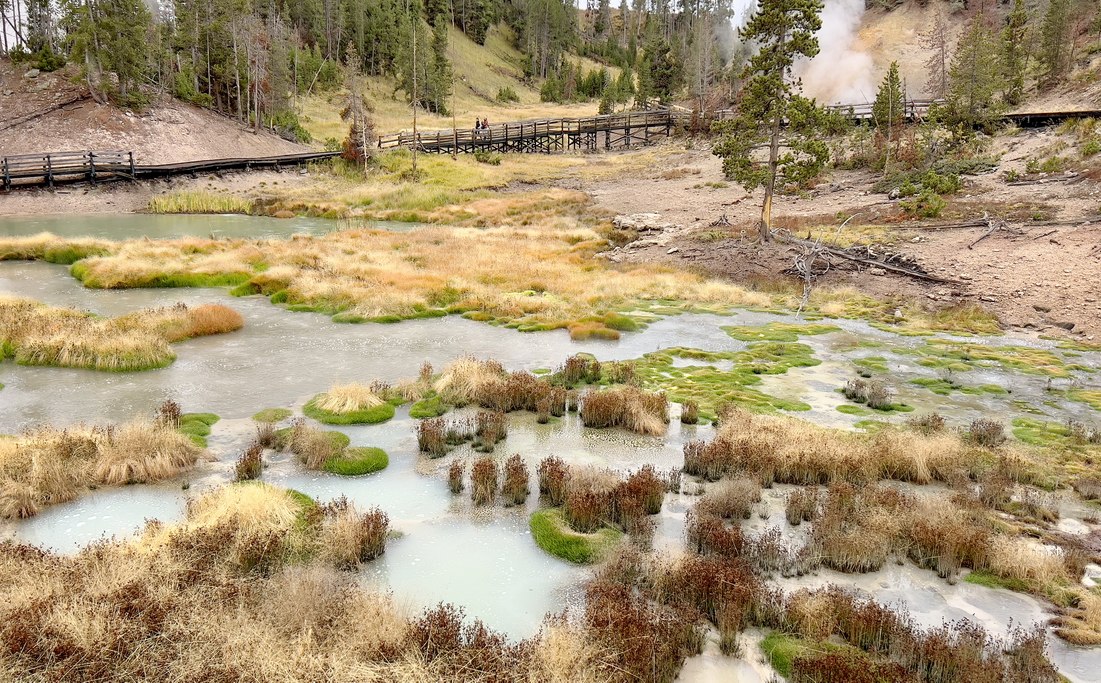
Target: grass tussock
column 46, row 466
column 628, row 407
column 36, row 334
column 200, row 202
column 791, row 451
column 483, row 481
column 314, row 447
column 349, row 404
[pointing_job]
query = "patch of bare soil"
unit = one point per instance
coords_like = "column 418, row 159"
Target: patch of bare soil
column 47, row 112
column 1043, row 275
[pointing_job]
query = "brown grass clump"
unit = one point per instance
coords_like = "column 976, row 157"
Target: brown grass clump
column 589, row 501
column 731, row 499
column 490, row 427
column 139, row 452
column 314, row 447
column 792, row 451
column 802, row 505
column 483, row 481
column 553, row 474
column 930, row 423
column 432, row 437
column 988, row 433
column 169, row 414
column 455, row 477
column 465, row 379
column 690, row 413
column 515, row 488
column 42, row 335
column 348, row 398
column 628, row 407
column 251, row 463
column 860, row 528
column 349, row 538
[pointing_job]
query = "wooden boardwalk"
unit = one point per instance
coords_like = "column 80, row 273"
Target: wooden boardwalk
column 52, row 168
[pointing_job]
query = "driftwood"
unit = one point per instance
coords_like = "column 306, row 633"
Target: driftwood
column 813, row 249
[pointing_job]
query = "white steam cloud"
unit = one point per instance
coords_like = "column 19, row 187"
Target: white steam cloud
column 841, row 72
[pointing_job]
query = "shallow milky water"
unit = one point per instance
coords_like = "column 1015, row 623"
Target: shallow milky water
column 484, row 559
column 156, row 226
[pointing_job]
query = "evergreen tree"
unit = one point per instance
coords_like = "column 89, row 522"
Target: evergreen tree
column 1014, row 55
column 1055, row 41
column 889, row 108
column 975, row 76
column 359, row 145
column 936, row 40
column 783, row 31
column 113, row 36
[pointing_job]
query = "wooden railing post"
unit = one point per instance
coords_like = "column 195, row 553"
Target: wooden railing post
column 92, row 167
column 7, row 175
column 49, row 171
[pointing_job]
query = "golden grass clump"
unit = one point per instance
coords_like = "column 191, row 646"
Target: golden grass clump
column 462, row 382
column 348, row 398
column 628, row 407
column 36, row 334
column 47, row 466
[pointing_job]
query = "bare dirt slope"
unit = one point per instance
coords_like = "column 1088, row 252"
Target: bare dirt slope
column 55, row 112
column 1038, row 274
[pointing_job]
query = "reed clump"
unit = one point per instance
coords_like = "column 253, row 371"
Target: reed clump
column 515, row 488
column 553, row 474
column 251, row 462
column 35, row 334
column 628, row 407
column 790, row 451
column 731, row 499
column 483, row 481
column 455, row 477
column 347, row 537
column 690, row 413
column 315, row 447
column 802, row 505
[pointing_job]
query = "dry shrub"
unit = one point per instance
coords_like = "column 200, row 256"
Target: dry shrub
column 628, row 407
column 251, row 463
column 644, row 640
column 929, row 423
column 709, row 535
column 348, row 398
column 490, row 427
column 432, row 437
column 945, row 537
column 731, row 499
column 860, row 527
column 723, row 592
column 1088, row 487
column 986, row 433
column 455, row 477
column 553, row 474
column 483, row 481
column 515, row 488
column 266, row 435
column 673, row 479
column 690, row 413
column 801, row 505
column 349, row 538
column 169, row 414
column 314, row 447
column 465, row 379
column 589, row 500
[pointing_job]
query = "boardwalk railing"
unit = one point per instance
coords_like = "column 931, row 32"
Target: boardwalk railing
column 26, row 170
column 610, row 131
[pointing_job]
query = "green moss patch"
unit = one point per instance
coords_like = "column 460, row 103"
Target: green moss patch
column 373, row 415
column 272, row 415
column 554, row 535
column 871, row 364
column 1091, row 397
column 782, row 650
column 197, row 426
column 983, row 577
column 1049, row 434
column 87, row 275
column 356, row 461
column 430, row 406
column 945, row 387
column 850, row 409
column 777, row 332
column 710, row 386
column 962, row 357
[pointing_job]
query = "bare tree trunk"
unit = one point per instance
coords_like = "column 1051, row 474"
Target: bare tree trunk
column 770, row 185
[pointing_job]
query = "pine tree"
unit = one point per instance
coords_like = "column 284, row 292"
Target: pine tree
column 889, row 108
column 359, row 144
column 1055, row 41
column 113, row 36
column 936, row 40
column 783, row 30
column 975, row 76
column 1014, row 55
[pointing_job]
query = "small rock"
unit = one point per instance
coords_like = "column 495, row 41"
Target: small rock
column 1068, row 326
column 894, row 194
column 989, row 299
column 1042, row 308
column 673, row 250
column 33, row 73
column 7, row 93
column 876, row 271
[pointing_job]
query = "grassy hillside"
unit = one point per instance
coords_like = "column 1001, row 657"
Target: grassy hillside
column 480, row 73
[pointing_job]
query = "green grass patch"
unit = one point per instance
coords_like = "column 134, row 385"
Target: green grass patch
column 945, row 387
column 89, row 278
column 430, row 406
column 777, row 332
column 272, row 415
column 850, row 409
column 1048, row 434
column 620, row 322
column 356, row 461
column 199, row 202
column 983, row 577
column 709, row 385
column 373, row 415
column 1091, row 397
column 69, row 254
column 554, row 535
column 871, row 364
column 963, row 357
column 782, row 650
column 197, row 426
